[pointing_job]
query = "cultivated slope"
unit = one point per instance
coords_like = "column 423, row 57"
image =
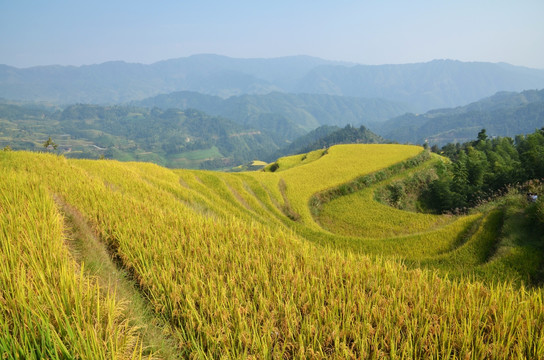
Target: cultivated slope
column 220, row 258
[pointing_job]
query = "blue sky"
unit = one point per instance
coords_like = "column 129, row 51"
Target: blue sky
column 77, row 32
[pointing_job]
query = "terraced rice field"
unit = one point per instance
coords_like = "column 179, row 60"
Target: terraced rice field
column 235, row 266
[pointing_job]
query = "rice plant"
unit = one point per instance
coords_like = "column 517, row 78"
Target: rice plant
column 234, row 285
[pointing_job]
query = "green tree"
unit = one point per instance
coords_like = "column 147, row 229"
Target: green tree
column 439, row 195
column 482, row 136
column 531, row 153
column 482, row 168
column 50, row 143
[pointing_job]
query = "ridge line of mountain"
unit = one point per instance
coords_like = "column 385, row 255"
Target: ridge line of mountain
column 424, row 86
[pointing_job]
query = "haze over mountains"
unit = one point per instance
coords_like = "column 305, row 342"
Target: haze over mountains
column 213, row 111
column 421, row 86
column 291, row 115
column 503, row 114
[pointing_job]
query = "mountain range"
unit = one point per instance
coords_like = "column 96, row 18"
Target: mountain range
column 289, row 115
column 503, row 114
column 212, row 111
column 420, row 86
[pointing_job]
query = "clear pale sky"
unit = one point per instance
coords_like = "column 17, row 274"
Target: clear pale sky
column 75, row 32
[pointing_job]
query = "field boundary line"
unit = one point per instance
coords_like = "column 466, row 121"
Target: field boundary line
column 97, row 261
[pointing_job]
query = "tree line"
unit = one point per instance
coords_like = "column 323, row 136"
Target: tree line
column 482, row 168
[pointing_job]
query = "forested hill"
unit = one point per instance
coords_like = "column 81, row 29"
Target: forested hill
column 173, row 137
column 504, row 114
column 304, row 141
column 424, row 86
column 326, row 136
column 485, row 167
column 290, row 115
column 347, row 135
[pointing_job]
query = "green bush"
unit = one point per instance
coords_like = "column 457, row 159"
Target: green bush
column 540, row 210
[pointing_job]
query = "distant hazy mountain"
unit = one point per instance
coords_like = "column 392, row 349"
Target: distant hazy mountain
column 439, row 83
column 289, row 115
column 117, row 81
column 422, row 86
column 504, row 114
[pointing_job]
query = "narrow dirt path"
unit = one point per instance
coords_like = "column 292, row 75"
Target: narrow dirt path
column 90, row 252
